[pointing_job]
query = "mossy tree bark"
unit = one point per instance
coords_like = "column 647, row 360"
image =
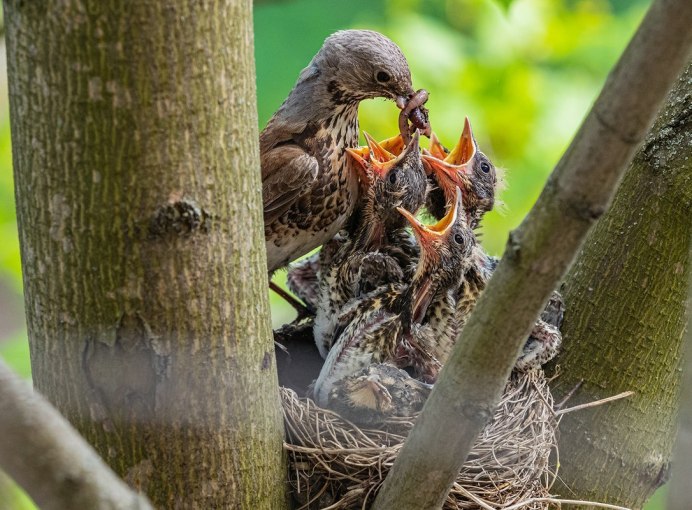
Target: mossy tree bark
column 623, row 329
column 137, row 180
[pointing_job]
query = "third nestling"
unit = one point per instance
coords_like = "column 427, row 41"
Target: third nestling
column 391, row 324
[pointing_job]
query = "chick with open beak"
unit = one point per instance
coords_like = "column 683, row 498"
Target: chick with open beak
column 393, row 179
column 448, row 251
column 369, row 258
column 391, row 174
column 392, row 323
column 464, row 167
column 470, row 268
column 468, row 169
column 442, row 254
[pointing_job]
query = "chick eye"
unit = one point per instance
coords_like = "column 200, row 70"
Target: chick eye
column 458, row 238
column 392, row 177
column 383, row 77
column 485, row 167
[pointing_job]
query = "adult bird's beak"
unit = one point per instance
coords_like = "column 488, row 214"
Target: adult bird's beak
column 401, row 102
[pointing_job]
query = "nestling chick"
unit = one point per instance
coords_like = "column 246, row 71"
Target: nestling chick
column 468, row 169
column 464, row 167
column 377, row 392
column 456, row 258
column 369, row 258
column 385, row 325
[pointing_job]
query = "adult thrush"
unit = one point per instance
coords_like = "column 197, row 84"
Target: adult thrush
column 308, row 187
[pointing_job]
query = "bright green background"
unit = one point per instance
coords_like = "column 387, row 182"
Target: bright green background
column 525, row 72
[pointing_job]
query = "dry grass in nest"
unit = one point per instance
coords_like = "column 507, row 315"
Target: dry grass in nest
column 334, row 464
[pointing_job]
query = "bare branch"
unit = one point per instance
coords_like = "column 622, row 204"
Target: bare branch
column 537, row 256
column 50, row 460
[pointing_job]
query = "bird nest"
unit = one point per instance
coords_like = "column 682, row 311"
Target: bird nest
column 334, row 464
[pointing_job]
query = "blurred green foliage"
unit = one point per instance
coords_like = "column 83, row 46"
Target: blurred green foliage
column 524, row 71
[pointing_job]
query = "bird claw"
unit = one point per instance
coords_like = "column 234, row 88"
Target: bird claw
column 427, row 386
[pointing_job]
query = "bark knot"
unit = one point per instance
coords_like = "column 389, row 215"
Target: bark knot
column 266, row 361
column 628, row 137
column 477, row 412
column 581, row 208
column 179, row 218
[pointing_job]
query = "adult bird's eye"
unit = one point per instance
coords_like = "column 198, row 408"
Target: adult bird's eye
column 485, row 167
column 458, row 238
column 392, row 177
column 383, row 77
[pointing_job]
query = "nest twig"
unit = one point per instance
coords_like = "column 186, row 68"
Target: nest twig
column 334, row 464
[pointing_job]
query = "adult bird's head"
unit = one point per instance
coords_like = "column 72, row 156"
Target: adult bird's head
column 361, row 64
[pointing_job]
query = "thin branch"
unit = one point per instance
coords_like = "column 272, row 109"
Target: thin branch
column 569, row 395
column 595, row 403
column 50, row 460
column 537, row 256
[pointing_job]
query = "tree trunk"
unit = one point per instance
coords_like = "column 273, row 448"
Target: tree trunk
column 137, row 180
column 625, row 318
